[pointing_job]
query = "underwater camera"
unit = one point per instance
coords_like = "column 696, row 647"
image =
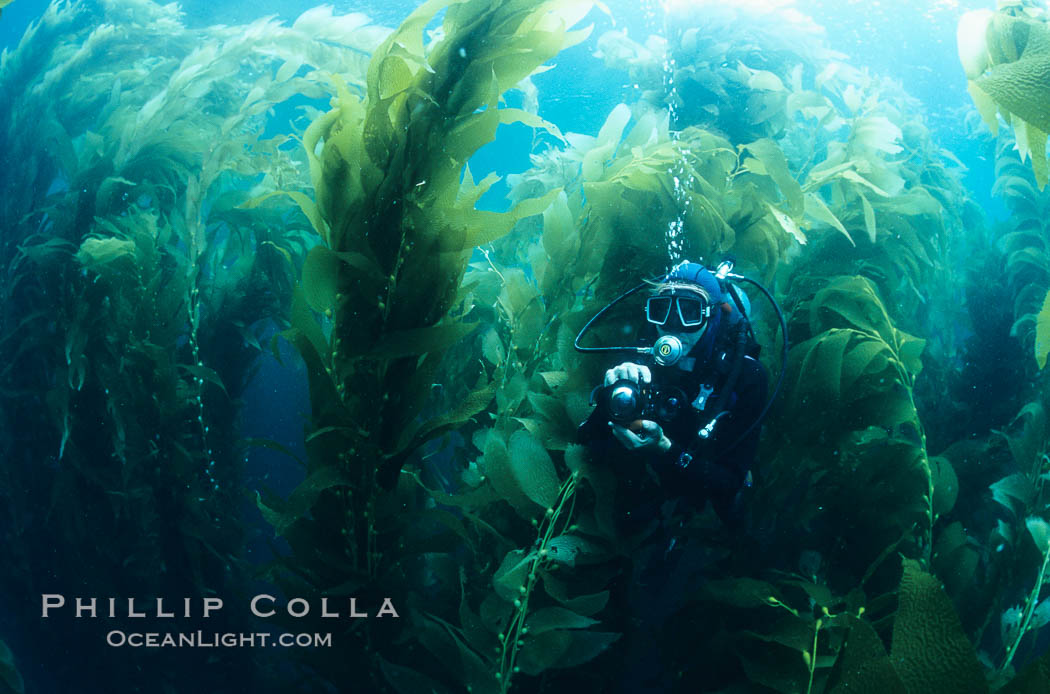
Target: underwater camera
column 626, row 401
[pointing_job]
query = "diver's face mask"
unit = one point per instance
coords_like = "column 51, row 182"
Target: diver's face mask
column 681, row 316
column 690, row 311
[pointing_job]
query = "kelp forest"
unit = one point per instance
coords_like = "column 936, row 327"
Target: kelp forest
column 300, row 195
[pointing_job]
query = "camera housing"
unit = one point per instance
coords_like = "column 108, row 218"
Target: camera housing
column 626, row 401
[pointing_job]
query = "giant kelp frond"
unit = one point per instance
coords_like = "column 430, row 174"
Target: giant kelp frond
column 394, row 209
column 1007, row 61
column 387, row 179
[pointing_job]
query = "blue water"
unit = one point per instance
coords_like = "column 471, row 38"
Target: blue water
column 913, row 42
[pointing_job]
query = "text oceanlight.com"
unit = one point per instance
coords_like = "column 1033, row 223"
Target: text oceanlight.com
column 201, row 639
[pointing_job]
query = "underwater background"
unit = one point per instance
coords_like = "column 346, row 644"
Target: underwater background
column 289, row 297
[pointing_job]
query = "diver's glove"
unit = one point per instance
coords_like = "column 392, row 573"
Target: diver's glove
column 644, row 436
column 629, row 371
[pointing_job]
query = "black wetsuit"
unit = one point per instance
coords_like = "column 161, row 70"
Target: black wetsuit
column 656, row 579
column 694, row 469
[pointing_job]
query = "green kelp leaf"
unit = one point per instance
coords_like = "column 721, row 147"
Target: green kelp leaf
column 555, row 379
column 305, row 325
column 325, row 431
column 853, row 303
column 769, row 153
column 204, row 374
column 542, row 651
column 765, row 80
column 560, row 238
column 552, row 409
column 1042, row 333
column 1020, row 88
column 1032, row 679
column 512, row 574
column 955, row 559
column 95, row 253
column 408, row 343
column 47, row 250
column 864, row 666
column 821, row 374
column 288, row 68
column 302, row 499
column 1040, row 616
column 910, row 352
column 787, row 224
column 787, row 630
column 877, row 133
column 512, row 393
column 471, row 133
column 556, row 618
column 854, row 177
column 587, row 605
column 408, row 37
column 395, row 76
column 275, row 446
column 1026, row 446
column 985, row 106
column 476, row 675
column 470, row 192
column 584, row 646
column 772, row 667
column 486, row 227
column 569, row 549
column 469, row 499
column 492, row 348
column 516, row 115
column 407, row 681
column 971, row 39
column 321, row 278
column 1037, row 147
column 109, row 190
column 1039, row 529
column 738, row 592
column 1010, row 185
column 562, row 649
column 496, row 465
column 815, row 207
column 1014, row 492
column 10, row 679
column 945, row 485
column 308, row 207
column 476, row 401
column 533, row 469
column 275, row 517
column 608, row 139
column 869, row 356
column 931, row 653
column 869, row 217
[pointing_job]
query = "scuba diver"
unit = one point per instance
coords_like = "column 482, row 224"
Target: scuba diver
column 682, row 419
column 679, row 420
